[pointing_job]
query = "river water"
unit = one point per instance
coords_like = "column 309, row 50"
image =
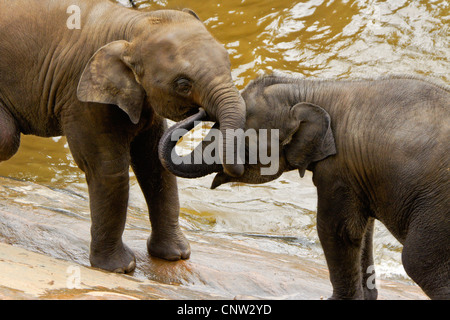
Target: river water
column 339, row 39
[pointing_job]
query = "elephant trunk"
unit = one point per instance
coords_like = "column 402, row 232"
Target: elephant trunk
column 191, row 165
column 230, row 114
column 226, row 107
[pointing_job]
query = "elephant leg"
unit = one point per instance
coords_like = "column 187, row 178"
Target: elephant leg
column 104, row 157
column 367, row 263
column 426, row 253
column 9, row 135
column 161, row 194
column 341, row 229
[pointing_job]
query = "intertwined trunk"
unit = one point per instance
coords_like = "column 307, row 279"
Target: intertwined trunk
column 191, row 165
column 224, row 105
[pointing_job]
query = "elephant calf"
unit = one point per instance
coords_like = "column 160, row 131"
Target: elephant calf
column 378, row 149
column 105, row 76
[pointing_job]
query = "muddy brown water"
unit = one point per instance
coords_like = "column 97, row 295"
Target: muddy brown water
column 340, row 39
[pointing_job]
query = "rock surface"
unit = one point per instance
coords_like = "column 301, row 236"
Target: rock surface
column 44, row 255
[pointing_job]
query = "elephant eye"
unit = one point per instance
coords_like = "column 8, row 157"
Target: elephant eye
column 183, row 86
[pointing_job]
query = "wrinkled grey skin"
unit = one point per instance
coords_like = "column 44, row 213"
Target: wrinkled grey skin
column 378, row 149
column 107, row 87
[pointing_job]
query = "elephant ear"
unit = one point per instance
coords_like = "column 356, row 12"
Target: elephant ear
column 311, row 138
column 109, row 79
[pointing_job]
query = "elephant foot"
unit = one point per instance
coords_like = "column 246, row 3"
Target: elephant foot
column 120, row 260
column 171, row 247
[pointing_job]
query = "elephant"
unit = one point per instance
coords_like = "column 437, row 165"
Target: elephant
column 106, row 77
column 378, row 149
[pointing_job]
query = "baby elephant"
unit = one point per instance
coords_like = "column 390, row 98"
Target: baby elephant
column 105, row 77
column 378, row 149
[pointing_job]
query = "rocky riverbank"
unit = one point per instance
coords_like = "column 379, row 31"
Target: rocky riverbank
column 44, row 255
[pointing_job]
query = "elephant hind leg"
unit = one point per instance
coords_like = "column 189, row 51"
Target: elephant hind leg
column 9, row 135
column 426, row 255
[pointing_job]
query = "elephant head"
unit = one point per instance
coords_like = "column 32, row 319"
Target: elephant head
column 171, row 64
column 301, row 130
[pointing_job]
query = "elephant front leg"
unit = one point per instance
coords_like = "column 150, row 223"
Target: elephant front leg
column 161, row 193
column 367, row 263
column 341, row 228
column 108, row 196
column 104, row 157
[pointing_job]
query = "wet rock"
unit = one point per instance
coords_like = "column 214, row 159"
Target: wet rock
column 44, row 255
column 30, row 275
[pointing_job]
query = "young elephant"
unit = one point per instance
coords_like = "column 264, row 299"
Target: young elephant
column 104, row 76
column 378, row 149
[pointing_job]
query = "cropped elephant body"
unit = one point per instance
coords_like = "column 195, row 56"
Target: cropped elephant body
column 106, row 85
column 378, row 149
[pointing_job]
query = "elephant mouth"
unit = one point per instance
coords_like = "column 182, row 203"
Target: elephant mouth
column 184, row 113
column 192, row 111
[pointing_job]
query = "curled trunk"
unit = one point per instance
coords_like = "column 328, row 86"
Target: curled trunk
column 224, row 105
column 191, row 165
